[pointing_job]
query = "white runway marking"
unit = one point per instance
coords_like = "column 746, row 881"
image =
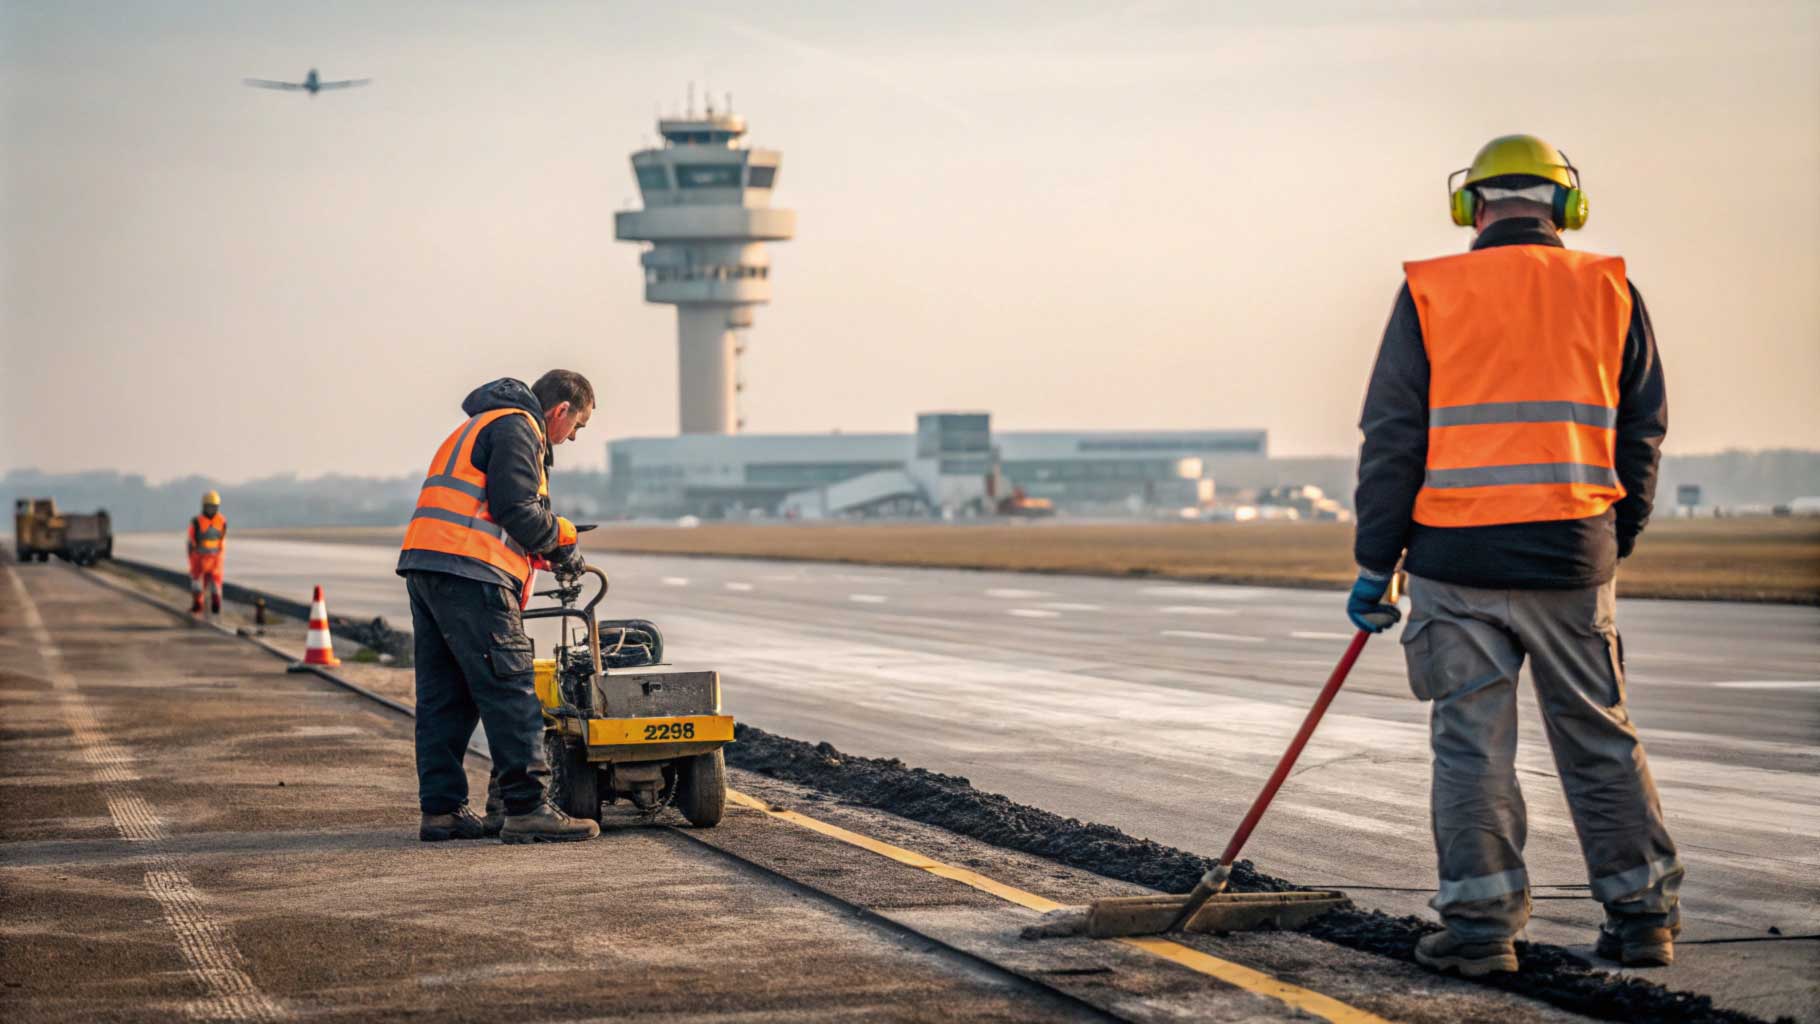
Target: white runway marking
column 1014, row 594
column 1034, row 613
column 1071, row 606
column 1196, row 609
column 1195, row 634
column 867, row 598
column 1188, row 592
column 735, row 586
column 1304, row 634
column 675, row 581
column 215, row 961
column 1771, row 684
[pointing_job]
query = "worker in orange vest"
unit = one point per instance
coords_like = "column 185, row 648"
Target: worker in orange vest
column 207, row 546
column 1512, row 433
column 482, row 523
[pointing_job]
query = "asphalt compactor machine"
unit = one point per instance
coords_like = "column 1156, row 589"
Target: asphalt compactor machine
column 619, row 724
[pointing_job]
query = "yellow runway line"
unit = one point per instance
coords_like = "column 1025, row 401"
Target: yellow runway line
column 1256, row 982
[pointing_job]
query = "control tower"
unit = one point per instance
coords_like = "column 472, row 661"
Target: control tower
column 707, row 216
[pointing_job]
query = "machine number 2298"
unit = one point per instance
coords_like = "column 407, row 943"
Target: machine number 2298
column 670, row 731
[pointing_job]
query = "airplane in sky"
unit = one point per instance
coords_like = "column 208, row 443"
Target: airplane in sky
column 311, row 83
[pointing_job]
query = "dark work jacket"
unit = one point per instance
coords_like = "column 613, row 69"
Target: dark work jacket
column 1523, row 556
column 511, row 454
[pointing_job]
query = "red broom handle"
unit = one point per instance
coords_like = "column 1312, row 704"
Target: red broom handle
column 1328, row 692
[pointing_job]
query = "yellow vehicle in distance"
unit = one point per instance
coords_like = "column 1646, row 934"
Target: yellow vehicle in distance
column 620, row 724
column 40, row 531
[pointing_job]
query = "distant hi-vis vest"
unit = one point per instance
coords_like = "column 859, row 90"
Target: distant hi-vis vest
column 452, row 518
column 207, row 534
column 1525, row 345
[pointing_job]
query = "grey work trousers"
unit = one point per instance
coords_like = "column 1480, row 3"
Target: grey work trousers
column 1464, row 647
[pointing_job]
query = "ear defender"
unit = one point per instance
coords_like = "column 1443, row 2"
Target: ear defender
column 1464, row 205
column 1570, row 209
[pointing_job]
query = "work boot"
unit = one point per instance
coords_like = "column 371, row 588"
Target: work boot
column 1637, row 946
column 496, row 809
column 460, row 824
column 1444, row 951
column 546, row 824
column 215, row 603
column 196, row 605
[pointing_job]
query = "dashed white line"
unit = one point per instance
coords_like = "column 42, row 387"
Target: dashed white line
column 214, row 959
column 1195, row 634
column 737, row 586
column 1185, row 592
column 1305, row 634
column 1195, row 609
column 1014, row 594
column 1070, row 606
column 675, row 581
column 1034, row 613
column 867, row 598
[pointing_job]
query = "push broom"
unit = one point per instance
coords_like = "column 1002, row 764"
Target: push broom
column 1208, row 907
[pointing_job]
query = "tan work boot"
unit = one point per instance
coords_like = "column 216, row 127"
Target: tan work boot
column 1444, row 951
column 1637, row 947
column 546, row 824
column 460, row 824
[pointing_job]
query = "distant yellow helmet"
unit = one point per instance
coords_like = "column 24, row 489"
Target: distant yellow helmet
column 1524, row 156
column 212, row 498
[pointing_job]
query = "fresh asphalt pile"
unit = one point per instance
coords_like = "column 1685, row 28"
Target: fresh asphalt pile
column 1549, row 973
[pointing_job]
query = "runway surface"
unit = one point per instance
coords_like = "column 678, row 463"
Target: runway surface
column 1159, row 707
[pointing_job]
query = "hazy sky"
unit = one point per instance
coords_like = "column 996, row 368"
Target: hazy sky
column 1170, row 215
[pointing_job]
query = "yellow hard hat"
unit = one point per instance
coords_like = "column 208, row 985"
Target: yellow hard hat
column 212, row 498
column 1519, row 156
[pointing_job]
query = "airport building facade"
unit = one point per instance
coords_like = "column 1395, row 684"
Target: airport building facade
column 953, row 464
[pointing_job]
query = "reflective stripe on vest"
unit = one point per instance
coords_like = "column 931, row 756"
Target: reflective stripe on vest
column 452, row 516
column 206, row 535
column 1525, row 344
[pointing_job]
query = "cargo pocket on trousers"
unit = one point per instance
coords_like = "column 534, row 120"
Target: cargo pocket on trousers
column 510, row 656
column 1614, row 649
column 1416, row 651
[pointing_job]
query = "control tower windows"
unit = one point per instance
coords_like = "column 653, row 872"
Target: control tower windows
column 653, row 178
column 716, row 272
column 708, row 175
column 758, row 176
column 711, row 138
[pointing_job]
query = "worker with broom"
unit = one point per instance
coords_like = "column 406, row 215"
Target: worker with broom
column 1512, row 427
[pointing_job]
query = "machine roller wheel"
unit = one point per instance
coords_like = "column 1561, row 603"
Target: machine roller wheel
column 701, row 788
column 574, row 783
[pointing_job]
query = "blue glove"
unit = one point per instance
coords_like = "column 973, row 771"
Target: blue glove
column 1364, row 605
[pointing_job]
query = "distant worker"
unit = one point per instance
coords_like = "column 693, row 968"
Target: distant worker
column 483, row 514
column 207, row 545
column 1512, row 429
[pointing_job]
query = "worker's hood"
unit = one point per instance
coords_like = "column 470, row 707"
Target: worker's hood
column 504, row 393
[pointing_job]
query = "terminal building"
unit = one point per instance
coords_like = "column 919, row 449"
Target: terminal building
column 954, row 464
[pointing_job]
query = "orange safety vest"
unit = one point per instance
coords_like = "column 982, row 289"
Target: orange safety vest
column 1525, row 344
column 452, row 517
column 208, row 534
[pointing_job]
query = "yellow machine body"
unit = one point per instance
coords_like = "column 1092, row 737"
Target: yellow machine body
column 636, row 737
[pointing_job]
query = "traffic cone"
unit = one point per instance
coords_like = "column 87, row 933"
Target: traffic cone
column 318, row 647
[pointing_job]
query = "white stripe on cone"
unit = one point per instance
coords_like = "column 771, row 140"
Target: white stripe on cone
column 318, row 646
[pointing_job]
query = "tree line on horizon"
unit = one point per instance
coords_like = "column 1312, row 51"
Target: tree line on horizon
column 1771, row 477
